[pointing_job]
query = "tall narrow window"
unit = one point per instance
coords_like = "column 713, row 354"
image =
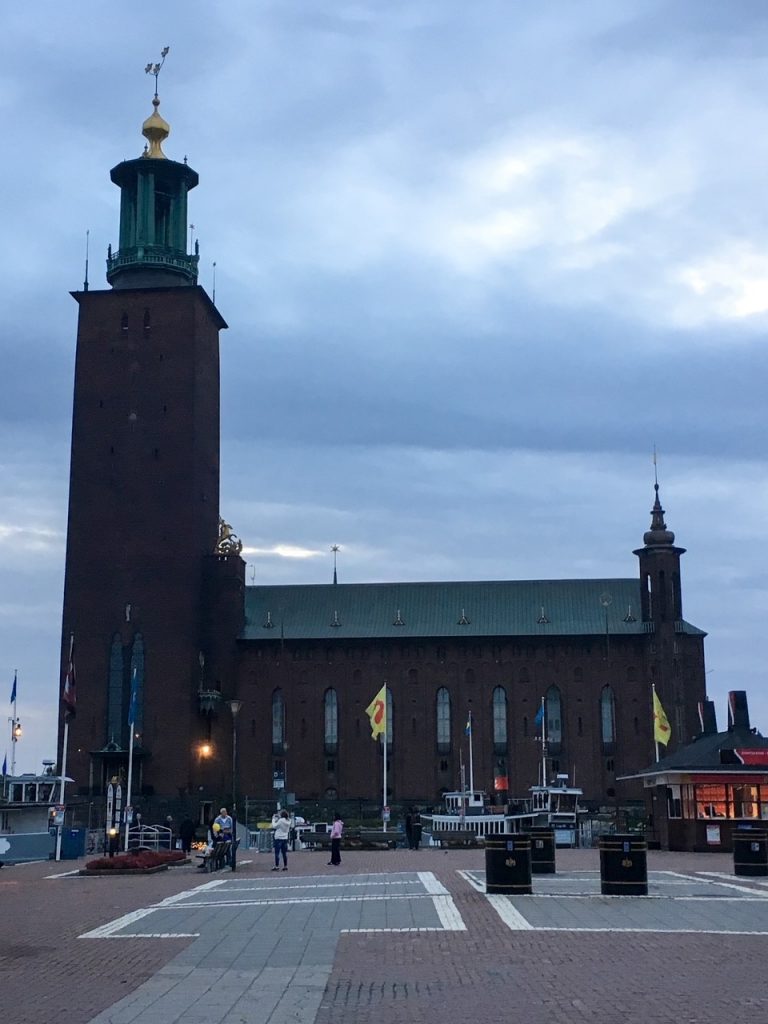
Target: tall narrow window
column 137, row 667
column 331, row 716
column 443, row 710
column 115, row 705
column 278, row 722
column 499, row 720
column 554, row 718
column 607, row 717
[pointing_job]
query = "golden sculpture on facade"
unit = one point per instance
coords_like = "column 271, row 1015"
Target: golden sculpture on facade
column 228, row 543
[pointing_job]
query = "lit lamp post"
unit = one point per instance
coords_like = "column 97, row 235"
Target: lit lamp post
column 234, row 707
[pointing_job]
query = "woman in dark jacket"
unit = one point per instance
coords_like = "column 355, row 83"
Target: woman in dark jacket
column 187, row 834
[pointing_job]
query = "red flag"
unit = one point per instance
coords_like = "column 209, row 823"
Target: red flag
column 69, row 695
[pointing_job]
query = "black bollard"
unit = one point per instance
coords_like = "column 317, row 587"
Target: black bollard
column 508, row 864
column 543, row 851
column 750, row 852
column 623, row 865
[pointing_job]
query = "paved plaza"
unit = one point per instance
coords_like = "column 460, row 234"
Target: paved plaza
column 389, row 936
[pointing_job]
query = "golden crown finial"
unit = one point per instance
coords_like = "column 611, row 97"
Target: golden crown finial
column 156, row 129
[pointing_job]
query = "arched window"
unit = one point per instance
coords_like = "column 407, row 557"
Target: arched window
column 115, row 716
column 331, row 718
column 499, row 720
column 443, row 720
column 278, row 722
column 554, row 718
column 607, row 717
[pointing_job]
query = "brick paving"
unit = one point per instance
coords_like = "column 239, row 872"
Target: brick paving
column 486, row 972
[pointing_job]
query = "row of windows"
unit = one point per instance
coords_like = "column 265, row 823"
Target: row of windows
column 549, row 717
column 523, row 675
column 329, row 654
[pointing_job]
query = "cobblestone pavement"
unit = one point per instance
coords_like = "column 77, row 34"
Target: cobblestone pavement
column 389, row 936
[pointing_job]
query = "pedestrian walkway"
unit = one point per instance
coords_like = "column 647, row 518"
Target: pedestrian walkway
column 676, row 902
column 391, row 936
column 263, row 951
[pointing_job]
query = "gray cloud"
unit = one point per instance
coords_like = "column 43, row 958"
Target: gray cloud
column 476, row 262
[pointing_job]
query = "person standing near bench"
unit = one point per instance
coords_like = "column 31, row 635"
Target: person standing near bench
column 282, row 831
column 415, row 829
column 336, row 830
column 187, row 834
column 224, row 821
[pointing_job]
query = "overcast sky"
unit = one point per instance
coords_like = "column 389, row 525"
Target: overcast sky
column 476, row 258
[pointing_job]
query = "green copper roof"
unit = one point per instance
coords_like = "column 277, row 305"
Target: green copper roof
column 410, row 610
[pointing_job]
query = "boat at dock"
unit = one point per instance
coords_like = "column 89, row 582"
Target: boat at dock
column 554, row 806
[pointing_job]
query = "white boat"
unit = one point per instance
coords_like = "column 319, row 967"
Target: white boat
column 555, row 806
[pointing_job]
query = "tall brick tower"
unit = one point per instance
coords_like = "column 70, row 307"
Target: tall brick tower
column 675, row 652
column 144, row 487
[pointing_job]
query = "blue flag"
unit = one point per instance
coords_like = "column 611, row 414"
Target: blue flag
column 132, row 707
column 539, row 719
column 468, row 726
column 13, row 692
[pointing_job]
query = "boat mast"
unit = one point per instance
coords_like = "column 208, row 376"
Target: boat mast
column 471, row 766
column 463, row 781
column 543, row 743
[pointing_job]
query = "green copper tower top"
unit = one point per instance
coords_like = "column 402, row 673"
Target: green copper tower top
column 153, row 212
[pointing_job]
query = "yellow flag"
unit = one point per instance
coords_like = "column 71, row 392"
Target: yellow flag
column 377, row 712
column 661, row 730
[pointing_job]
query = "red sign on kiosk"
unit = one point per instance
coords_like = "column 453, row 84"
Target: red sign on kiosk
column 759, row 756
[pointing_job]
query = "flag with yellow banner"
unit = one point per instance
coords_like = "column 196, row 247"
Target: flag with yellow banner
column 662, row 732
column 377, row 712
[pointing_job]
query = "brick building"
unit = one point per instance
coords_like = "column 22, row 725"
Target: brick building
column 155, row 589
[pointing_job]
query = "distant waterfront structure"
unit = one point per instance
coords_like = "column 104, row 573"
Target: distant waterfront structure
column 156, row 599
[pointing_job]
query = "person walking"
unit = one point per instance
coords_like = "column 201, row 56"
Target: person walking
column 282, row 830
column 336, row 830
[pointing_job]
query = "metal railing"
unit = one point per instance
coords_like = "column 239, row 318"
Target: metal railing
column 150, row 837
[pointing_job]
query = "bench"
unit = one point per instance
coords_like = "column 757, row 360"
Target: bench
column 215, row 858
column 455, row 839
column 350, row 840
column 355, row 839
column 371, row 839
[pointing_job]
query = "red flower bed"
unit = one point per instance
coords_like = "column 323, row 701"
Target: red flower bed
column 139, row 860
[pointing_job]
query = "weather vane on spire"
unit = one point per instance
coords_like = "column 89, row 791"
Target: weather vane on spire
column 155, row 69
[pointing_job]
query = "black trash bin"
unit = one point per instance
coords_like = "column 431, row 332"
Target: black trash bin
column 623, row 865
column 508, row 864
column 543, row 851
column 750, row 851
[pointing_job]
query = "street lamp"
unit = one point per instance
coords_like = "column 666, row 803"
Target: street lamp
column 234, row 707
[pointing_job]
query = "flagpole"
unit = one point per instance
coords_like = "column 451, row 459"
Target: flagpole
column 384, row 751
column 59, row 828
column 471, row 766
column 653, row 688
column 132, row 723
column 128, row 787
column 69, row 697
column 13, row 728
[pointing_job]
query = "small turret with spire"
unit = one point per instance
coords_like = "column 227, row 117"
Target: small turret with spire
column 661, row 595
column 658, row 533
column 153, row 211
